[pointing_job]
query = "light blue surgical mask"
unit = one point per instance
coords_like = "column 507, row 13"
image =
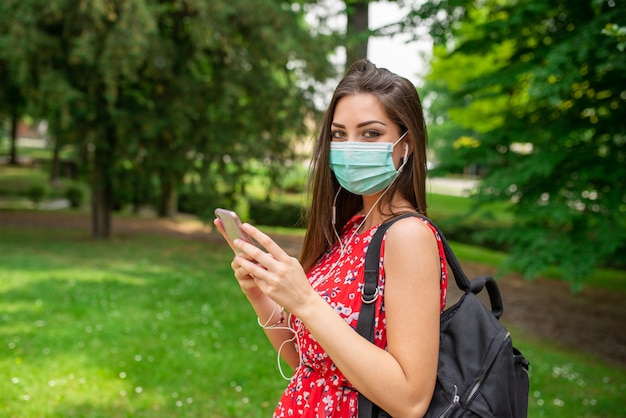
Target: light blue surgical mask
column 365, row 168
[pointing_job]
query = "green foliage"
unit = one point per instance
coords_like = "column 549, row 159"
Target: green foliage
column 535, row 85
column 201, row 203
column 617, row 32
column 15, row 181
column 20, row 183
column 276, row 213
column 36, row 193
column 295, row 180
column 158, row 90
column 466, row 220
column 75, row 195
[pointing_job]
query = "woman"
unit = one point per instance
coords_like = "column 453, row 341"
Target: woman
column 369, row 165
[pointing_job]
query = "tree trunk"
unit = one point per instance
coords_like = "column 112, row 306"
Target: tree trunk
column 100, row 213
column 101, row 200
column 55, row 165
column 13, row 152
column 102, row 185
column 357, row 30
column 136, row 193
column 168, row 199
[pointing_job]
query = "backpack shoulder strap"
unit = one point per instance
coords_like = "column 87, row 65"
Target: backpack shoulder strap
column 365, row 324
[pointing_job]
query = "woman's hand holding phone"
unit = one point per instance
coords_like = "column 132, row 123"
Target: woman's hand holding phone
column 229, row 225
column 277, row 274
column 264, row 268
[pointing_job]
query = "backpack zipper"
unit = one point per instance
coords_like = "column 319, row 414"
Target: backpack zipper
column 480, row 381
column 474, row 389
column 455, row 400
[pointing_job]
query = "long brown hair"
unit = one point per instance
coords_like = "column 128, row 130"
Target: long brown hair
column 402, row 104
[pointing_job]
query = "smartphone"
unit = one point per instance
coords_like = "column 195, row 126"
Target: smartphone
column 228, row 223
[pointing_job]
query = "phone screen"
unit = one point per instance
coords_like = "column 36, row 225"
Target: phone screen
column 228, row 225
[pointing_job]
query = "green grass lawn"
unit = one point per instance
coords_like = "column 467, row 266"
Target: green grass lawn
column 146, row 326
column 441, row 206
column 140, row 326
column 565, row 383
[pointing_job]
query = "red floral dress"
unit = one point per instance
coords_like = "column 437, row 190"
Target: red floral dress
column 318, row 388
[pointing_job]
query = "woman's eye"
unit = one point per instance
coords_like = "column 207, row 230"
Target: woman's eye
column 337, row 135
column 371, row 134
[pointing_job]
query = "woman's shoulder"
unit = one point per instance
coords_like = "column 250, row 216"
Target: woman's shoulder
column 411, row 230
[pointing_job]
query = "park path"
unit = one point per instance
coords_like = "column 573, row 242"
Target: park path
column 592, row 320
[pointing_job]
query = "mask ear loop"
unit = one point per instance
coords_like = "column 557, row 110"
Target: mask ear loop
column 400, row 139
column 406, row 152
column 404, row 158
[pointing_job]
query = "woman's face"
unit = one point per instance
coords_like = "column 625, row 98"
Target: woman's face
column 362, row 118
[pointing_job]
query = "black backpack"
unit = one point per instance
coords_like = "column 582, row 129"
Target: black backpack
column 480, row 373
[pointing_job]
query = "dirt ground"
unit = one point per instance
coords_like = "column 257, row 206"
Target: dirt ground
column 591, row 320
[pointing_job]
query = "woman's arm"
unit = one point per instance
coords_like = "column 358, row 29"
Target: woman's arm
column 275, row 324
column 400, row 379
column 270, row 315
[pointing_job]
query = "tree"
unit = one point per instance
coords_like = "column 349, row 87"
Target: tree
column 357, row 29
column 538, row 89
column 12, row 105
column 164, row 87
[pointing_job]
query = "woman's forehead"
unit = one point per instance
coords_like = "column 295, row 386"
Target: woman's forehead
column 354, row 109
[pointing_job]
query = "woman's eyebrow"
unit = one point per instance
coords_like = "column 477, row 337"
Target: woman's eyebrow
column 360, row 125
